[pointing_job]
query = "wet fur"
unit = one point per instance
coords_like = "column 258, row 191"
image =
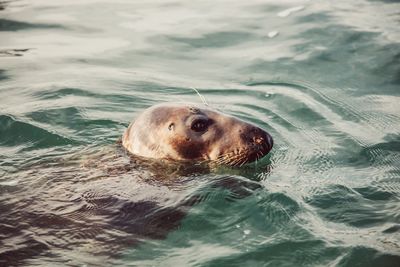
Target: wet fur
column 227, row 140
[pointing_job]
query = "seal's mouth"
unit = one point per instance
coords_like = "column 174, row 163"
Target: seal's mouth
column 243, row 155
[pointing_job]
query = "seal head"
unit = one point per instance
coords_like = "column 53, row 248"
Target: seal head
column 190, row 133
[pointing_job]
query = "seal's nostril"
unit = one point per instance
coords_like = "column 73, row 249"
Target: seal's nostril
column 255, row 136
column 258, row 140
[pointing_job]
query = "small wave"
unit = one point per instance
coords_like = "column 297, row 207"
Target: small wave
column 14, row 25
column 63, row 92
column 13, row 52
column 15, row 133
column 341, row 204
column 356, row 256
column 217, row 39
column 289, row 11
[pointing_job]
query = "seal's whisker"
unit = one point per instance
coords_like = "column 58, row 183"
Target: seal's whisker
column 238, row 161
column 240, row 156
column 203, row 99
column 243, row 162
column 231, row 160
column 225, row 159
column 234, row 163
column 243, row 157
column 222, row 158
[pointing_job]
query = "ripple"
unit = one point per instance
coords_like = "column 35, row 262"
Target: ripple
column 340, row 204
column 217, row 39
column 13, row 52
column 70, row 117
column 15, row 132
column 63, row 92
column 13, row 25
column 358, row 255
column 284, row 253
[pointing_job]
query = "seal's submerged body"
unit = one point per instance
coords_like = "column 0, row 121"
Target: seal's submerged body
column 111, row 202
column 190, row 133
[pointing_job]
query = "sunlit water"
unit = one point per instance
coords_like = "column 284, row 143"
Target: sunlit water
column 322, row 77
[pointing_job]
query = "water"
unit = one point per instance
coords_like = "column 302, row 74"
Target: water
column 321, row 77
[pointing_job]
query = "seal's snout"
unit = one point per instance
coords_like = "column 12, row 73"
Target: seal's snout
column 257, row 138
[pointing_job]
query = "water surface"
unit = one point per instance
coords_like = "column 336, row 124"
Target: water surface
column 321, row 77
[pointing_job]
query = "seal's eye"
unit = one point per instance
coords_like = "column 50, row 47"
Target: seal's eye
column 171, row 126
column 199, row 125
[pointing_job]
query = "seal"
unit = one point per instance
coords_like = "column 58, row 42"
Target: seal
column 186, row 132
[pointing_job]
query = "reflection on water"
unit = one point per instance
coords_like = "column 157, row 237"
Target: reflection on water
column 322, row 78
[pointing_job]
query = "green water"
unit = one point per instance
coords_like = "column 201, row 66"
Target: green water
column 323, row 78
